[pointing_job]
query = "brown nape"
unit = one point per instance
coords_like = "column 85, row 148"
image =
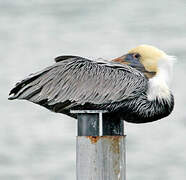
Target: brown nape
column 145, row 72
column 149, row 74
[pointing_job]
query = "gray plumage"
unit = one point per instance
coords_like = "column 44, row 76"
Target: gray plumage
column 78, row 83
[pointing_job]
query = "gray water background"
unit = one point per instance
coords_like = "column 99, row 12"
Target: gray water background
column 36, row 144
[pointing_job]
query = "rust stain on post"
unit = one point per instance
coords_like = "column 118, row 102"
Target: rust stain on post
column 114, row 139
column 115, row 149
column 93, row 139
column 115, row 143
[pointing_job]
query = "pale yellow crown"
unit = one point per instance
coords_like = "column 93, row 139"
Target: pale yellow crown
column 150, row 56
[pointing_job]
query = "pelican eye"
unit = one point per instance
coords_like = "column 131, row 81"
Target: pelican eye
column 136, row 55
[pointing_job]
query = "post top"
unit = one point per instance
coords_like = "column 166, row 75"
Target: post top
column 98, row 123
column 88, row 111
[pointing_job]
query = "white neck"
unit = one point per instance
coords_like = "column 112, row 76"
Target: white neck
column 159, row 84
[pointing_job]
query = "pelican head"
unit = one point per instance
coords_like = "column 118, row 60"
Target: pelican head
column 147, row 59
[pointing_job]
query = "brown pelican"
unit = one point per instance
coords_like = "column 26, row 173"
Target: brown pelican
column 134, row 87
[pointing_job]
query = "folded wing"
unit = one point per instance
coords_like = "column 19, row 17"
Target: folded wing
column 75, row 81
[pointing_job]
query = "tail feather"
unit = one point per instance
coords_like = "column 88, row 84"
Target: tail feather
column 22, row 86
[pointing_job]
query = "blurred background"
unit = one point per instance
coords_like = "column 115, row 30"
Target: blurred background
column 38, row 144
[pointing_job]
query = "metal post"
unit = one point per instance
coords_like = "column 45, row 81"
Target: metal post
column 100, row 153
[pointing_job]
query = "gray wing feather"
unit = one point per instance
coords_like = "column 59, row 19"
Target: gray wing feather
column 79, row 81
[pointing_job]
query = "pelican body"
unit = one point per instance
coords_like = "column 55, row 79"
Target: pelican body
column 133, row 87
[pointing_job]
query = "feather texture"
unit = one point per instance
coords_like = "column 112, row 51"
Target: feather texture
column 74, row 81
